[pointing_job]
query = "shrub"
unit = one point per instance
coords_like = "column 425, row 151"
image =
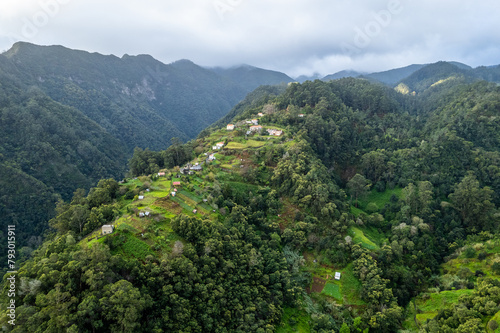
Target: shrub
column 469, row 252
column 380, row 186
column 482, row 255
column 493, row 325
column 496, row 268
column 372, row 207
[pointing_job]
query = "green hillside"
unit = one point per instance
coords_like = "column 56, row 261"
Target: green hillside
column 369, row 212
column 69, row 118
column 466, row 280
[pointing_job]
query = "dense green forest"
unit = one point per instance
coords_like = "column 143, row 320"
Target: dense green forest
column 395, row 194
column 137, row 99
column 47, row 151
column 354, row 207
column 69, row 118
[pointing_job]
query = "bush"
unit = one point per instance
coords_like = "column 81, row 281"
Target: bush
column 482, row 255
column 372, row 207
column 380, row 186
column 493, row 325
column 496, row 268
column 469, row 253
column 394, row 198
column 130, row 195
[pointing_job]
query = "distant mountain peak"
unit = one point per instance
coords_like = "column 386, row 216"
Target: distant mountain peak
column 342, row 74
column 183, row 62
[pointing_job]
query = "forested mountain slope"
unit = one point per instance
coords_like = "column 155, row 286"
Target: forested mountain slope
column 69, row 118
column 137, row 99
column 418, row 78
column 333, row 215
column 47, row 150
column 252, row 77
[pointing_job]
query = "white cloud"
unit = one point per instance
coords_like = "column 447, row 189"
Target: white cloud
column 293, row 36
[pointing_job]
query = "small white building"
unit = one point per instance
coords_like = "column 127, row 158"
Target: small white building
column 337, row 275
column 301, row 115
column 107, row 229
column 141, row 197
column 219, row 145
column 274, row 132
column 260, row 114
column 255, row 121
column 230, row 127
column 211, row 157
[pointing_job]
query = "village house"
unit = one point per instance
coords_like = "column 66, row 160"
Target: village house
column 230, row 127
column 176, row 183
column 173, row 193
column 161, row 174
column 274, row 132
column 255, row 128
column 255, row 121
column 337, row 275
column 211, row 157
column 141, row 197
column 219, row 145
column 260, row 114
column 301, row 115
column 196, row 168
column 107, row 229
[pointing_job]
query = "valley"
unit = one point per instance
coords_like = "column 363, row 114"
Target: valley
column 341, row 206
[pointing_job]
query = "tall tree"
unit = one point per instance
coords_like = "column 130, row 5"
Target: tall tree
column 358, row 186
column 473, row 202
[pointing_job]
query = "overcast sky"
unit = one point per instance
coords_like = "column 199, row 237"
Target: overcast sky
column 293, row 36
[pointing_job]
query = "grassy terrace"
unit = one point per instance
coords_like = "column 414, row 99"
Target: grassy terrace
column 428, row 306
column 294, row 321
column 378, row 198
column 246, row 144
column 490, row 251
column 345, row 291
column 360, row 236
